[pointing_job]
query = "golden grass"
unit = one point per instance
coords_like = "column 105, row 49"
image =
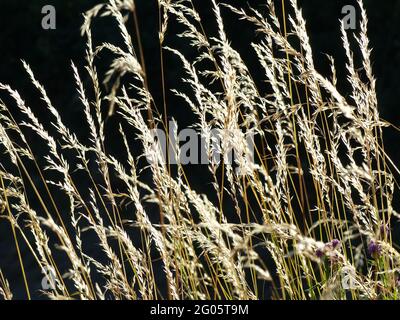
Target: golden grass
column 313, row 207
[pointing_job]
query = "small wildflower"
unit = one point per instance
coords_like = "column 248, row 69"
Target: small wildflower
column 335, row 243
column 319, row 253
column 374, row 249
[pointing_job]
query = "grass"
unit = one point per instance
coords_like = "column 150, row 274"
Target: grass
column 304, row 212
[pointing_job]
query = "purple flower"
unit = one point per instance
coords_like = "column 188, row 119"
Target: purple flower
column 374, row 249
column 319, row 253
column 335, row 243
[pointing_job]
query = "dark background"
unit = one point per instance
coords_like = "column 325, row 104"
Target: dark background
column 49, row 53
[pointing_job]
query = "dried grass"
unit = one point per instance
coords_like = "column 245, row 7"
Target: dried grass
column 321, row 183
